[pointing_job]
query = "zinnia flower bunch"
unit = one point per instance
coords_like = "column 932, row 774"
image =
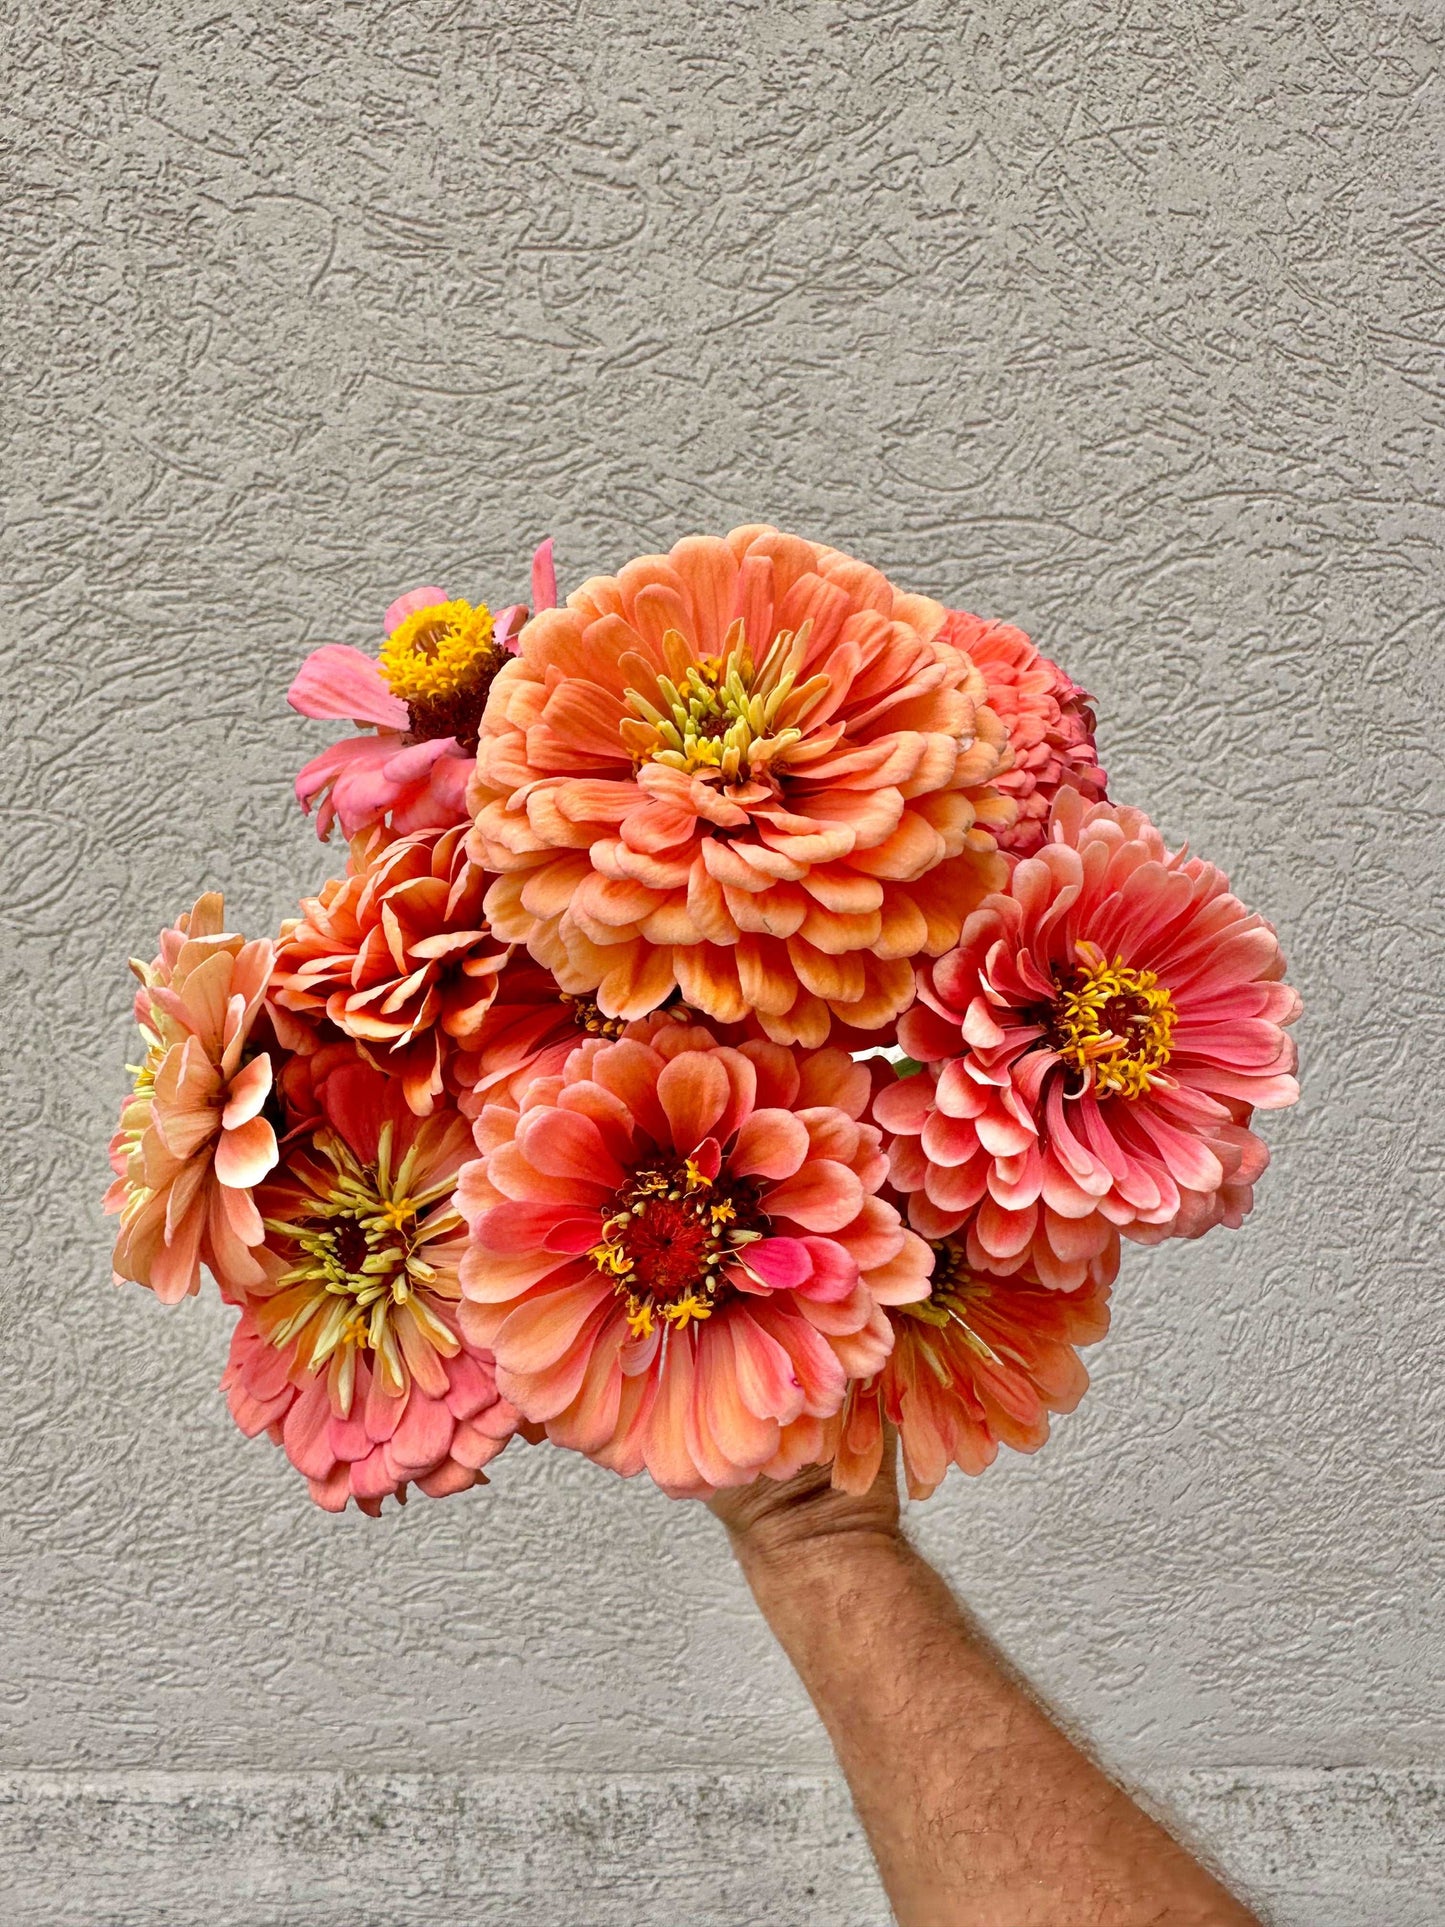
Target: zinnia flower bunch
column 742, row 1023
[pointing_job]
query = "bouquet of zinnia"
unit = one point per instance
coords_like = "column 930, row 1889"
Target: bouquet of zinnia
column 743, row 1022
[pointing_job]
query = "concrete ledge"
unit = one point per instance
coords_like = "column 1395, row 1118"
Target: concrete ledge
column 1344, row 1848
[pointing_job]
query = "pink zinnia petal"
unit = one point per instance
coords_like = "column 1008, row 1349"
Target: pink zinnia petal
column 408, row 604
column 1116, row 1016
column 345, row 685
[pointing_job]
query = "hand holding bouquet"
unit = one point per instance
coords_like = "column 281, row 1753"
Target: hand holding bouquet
column 742, row 1021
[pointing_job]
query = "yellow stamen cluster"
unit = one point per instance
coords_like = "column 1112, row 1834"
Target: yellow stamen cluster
column 358, row 1242
column 440, row 651
column 1114, row 1025
column 586, row 1016
column 724, row 712
column 955, row 1289
column 669, row 1221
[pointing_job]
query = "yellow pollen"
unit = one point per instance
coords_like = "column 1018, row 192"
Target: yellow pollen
column 956, row 1291
column 639, row 1318
column 1114, row 1025
column 690, row 1307
column 439, row 651
column 723, row 713
column 398, row 1213
column 665, row 1248
column 586, row 1016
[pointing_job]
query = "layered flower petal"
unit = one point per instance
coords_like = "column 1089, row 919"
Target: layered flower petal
column 748, row 771
column 669, row 1269
column 1049, row 722
column 191, row 1143
column 1095, row 1046
column 348, row 1351
column 981, row 1362
column 397, row 955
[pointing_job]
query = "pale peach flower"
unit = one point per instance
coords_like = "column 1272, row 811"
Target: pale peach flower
column 1095, row 1046
column 348, row 1353
column 748, row 770
column 1048, row 718
column 678, row 1249
column 396, row 954
column 192, row 1141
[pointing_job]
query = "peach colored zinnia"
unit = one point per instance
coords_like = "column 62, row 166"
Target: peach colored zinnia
column 678, row 1250
column 750, row 770
column 348, row 1352
column 396, row 954
column 1048, row 718
column 1096, row 1044
column 192, row 1141
column 981, row 1362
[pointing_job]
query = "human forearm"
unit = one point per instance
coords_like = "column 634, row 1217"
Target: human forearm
column 979, row 1811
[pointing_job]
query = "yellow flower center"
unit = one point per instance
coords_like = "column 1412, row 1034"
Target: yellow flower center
column 1114, row 1025
column 357, row 1245
column 666, row 1243
column 955, row 1291
column 437, row 651
column 723, row 713
column 586, row 1016
column 440, row 661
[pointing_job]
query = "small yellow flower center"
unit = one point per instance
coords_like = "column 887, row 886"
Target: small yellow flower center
column 723, row 713
column 440, row 661
column 956, row 1290
column 666, row 1243
column 1114, row 1025
column 586, row 1016
column 357, row 1245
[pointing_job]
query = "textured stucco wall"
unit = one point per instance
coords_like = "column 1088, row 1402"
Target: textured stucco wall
column 1124, row 321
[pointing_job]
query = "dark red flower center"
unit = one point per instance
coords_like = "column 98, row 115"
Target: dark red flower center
column 457, row 713
column 668, row 1239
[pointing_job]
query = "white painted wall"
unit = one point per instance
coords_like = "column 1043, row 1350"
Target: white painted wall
column 1123, row 321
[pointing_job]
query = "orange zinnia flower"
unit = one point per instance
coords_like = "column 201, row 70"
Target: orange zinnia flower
column 1095, row 1047
column 347, row 1352
column 192, row 1142
column 981, row 1362
column 1048, row 718
column 396, row 954
column 749, row 770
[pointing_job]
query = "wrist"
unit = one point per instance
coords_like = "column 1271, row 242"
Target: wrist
column 780, row 1555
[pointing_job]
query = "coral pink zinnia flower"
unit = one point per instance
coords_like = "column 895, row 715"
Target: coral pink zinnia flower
column 348, row 1353
column 981, row 1362
column 423, row 699
column 396, row 954
column 677, row 1249
column 192, row 1142
column 748, row 769
column 1095, row 1045
column 1049, row 722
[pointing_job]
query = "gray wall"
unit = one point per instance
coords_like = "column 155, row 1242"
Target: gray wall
column 1123, row 321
